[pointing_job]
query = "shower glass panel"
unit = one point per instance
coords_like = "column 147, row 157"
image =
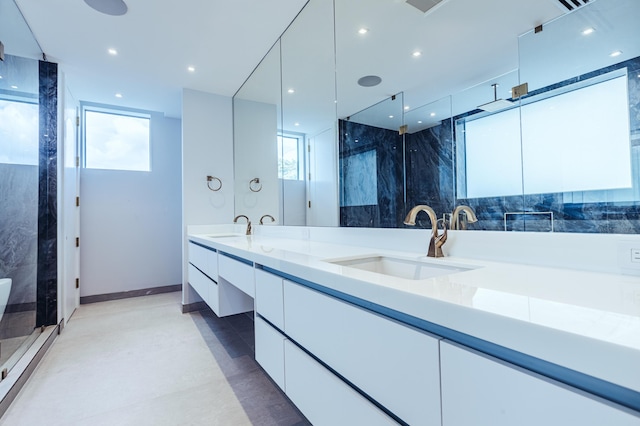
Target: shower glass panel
column 19, row 150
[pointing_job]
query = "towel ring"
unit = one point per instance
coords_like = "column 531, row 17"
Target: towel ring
column 255, row 185
column 211, row 179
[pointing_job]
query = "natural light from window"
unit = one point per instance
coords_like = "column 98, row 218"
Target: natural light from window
column 290, row 157
column 18, row 133
column 115, row 141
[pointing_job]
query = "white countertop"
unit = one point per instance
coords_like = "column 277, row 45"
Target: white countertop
column 586, row 321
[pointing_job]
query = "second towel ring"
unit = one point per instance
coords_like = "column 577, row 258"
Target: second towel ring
column 255, row 185
column 211, row 179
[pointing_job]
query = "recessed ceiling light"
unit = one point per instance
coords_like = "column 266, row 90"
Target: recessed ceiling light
column 296, row 124
column 616, row 53
column 363, row 30
column 588, row 31
column 391, row 116
column 118, row 95
column 112, row 52
column 406, row 108
column 291, row 91
column 369, row 81
column 433, row 114
column 416, row 54
column 108, row 7
column 191, row 69
column 419, row 121
column 14, row 87
column 0, row 77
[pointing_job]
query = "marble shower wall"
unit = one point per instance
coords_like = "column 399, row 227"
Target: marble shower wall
column 371, row 176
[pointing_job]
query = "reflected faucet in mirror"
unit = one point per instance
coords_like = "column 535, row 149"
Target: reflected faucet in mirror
column 437, row 241
column 273, row 219
column 458, row 223
column 235, row 220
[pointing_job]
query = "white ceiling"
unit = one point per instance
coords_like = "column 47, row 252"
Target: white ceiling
column 463, row 42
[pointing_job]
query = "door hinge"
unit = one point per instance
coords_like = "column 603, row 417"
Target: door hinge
column 77, row 161
column 77, row 201
column 309, row 176
column 77, row 282
column 309, row 204
column 309, row 148
column 77, row 121
column 77, row 241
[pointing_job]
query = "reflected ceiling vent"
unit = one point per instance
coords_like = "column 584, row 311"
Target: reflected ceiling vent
column 570, row 5
column 108, row 7
column 496, row 104
column 369, row 81
column 425, row 5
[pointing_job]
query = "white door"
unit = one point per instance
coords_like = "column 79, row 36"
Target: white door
column 322, row 205
column 71, row 209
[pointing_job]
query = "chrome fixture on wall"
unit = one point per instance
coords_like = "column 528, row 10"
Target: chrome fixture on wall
column 211, row 179
column 255, row 185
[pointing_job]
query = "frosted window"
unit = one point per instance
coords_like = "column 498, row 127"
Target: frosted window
column 494, row 165
column 575, row 141
column 18, row 133
column 578, row 141
column 116, row 142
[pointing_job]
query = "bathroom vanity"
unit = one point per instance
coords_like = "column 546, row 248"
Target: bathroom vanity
column 360, row 335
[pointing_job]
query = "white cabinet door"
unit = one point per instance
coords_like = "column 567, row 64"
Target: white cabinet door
column 270, row 351
column 269, row 298
column 397, row 365
column 478, row 390
column 237, row 273
column 204, row 259
column 322, row 397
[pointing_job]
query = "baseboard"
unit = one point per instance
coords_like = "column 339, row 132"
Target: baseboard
column 132, row 293
column 192, row 307
column 20, row 373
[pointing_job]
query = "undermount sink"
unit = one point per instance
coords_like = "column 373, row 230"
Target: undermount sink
column 398, row 267
column 223, row 235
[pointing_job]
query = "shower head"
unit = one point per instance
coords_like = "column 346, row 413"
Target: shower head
column 496, row 104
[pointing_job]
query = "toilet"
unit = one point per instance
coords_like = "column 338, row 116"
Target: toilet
column 5, row 289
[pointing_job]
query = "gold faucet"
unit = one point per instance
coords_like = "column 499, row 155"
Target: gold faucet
column 455, row 218
column 273, row 219
column 437, row 241
column 235, row 220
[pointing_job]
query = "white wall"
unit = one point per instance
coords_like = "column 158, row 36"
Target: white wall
column 130, row 221
column 256, row 154
column 207, row 149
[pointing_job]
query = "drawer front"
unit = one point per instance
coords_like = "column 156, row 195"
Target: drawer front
column 237, row 273
column 204, row 259
column 269, row 299
column 398, row 366
column 477, row 389
column 199, row 282
column 270, row 351
column 322, row 397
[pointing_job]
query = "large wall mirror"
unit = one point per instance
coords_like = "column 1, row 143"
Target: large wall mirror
column 442, row 126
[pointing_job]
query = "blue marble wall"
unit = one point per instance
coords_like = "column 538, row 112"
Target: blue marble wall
column 356, row 140
column 47, row 287
column 19, row 210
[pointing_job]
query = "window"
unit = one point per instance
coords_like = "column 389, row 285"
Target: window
column 18, row 132
column 116, row 141
column 291, row 157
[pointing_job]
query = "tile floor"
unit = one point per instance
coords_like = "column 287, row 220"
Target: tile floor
column 140, row 361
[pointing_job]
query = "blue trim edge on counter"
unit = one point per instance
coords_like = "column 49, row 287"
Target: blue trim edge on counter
column 609, row 391
column 239, row 259
column 203, row 246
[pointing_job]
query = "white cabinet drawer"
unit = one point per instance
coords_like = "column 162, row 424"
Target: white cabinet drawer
column 206, row 288
column 269, row 298
column 479, row 390
column 398, row 366
column 204, row 259
column 237, row 273
column 270, row 351
column 322, row 397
